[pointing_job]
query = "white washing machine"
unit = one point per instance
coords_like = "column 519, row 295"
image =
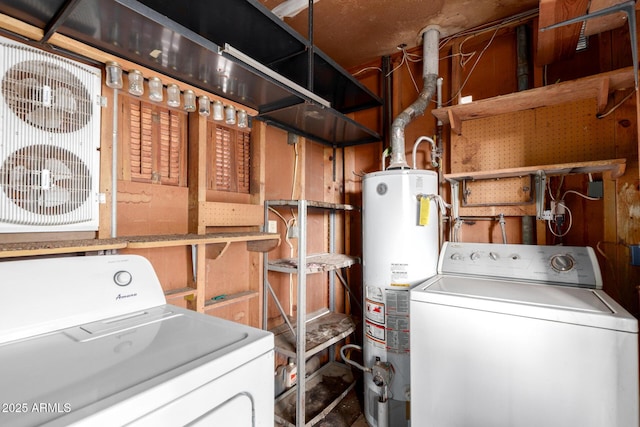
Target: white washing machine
column 90, row 341
column 518, row 336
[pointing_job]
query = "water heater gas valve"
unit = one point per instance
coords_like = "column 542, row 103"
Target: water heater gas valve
column 381, row 372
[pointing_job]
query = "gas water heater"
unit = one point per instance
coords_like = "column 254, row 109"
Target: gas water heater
column 400, row 250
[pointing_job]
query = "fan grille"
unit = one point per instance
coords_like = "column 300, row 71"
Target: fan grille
column 49, row 141
column 47, row 96
column 45, row 180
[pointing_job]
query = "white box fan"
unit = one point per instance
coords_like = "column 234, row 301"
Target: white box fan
column 49, row 141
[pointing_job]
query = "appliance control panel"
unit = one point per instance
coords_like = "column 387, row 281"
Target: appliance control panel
column 563, row 265
column 69, row 291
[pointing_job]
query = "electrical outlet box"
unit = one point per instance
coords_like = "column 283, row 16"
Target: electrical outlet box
column 557, row 208
column 635, row 255
column 273, row 226
column 546, row 215
column 595, row 189
column 293, row 232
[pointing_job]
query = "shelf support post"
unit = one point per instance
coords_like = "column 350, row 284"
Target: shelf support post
column 301, row 313
column 541, row 185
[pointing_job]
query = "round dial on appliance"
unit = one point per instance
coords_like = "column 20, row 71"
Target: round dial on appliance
column 474, row 256
column 493, row 255
column 122, row 278
column 562, row 262
column 456, row 256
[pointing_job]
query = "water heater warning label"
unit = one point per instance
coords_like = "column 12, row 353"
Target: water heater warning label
column 398, row 302
column 375, row 311
column 399, row 272
column 375, row 332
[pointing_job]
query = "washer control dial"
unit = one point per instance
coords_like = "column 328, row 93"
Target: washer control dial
column 562, row 262
column 122, row 278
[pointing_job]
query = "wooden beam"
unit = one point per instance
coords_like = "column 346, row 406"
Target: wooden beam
column 607, row 22
column 558, row 43
column 559, row 93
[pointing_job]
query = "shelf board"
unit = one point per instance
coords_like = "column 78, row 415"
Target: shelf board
column 325, row 388
column 256, row 242
column 598, row 86
column 160, row 241
column 312, row 204
column 12, row 250
column 322, row 332
column 224, row 300
column 616, row 167
column 316, row 263
column 186, row 293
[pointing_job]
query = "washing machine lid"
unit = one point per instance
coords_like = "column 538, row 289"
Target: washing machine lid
column 581, row 306
column 58, row 377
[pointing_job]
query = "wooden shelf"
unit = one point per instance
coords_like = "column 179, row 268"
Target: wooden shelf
column 323, row 330
column 12, row 250
column 256, row 242
column 313, row 204
column 325, row 389
column 161, row 241
column 187, row 292
column 223, row 300
column 598, row 86
column 316, row 263
column 616, row 167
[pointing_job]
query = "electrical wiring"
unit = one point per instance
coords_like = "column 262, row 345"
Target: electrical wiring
column 357, row 73
column 473, row 67
column 584, row 196
column 570, row 220
column 465, row 57
column 615, row 107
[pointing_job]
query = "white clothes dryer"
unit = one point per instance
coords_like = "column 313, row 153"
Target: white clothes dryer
column 90, row 341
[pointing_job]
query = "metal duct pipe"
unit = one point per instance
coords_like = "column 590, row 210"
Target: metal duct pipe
column 430, row 58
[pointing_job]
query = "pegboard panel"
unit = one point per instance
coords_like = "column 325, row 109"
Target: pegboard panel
column 496, row 142
column 562, row 133
column 571, row 132
column 230, row 214
column 502, row 192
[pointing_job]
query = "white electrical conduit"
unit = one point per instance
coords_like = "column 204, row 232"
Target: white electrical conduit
column 114, row 167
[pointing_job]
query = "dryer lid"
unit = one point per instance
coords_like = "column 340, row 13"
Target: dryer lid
column 80, row 370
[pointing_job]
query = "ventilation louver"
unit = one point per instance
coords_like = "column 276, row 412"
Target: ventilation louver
column 49, row 140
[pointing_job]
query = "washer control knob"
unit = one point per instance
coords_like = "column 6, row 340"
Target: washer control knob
column 474, row 256
column 122, row 278
column 562, row 262
column 456, row 256
column 494, row 256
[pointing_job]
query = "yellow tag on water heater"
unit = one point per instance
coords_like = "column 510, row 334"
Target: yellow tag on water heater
column 425, row 205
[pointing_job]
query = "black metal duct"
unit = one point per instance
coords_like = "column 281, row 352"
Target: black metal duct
column 194, row 42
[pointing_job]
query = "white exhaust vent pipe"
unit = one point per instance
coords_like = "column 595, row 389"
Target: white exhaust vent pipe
column 431, row 38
